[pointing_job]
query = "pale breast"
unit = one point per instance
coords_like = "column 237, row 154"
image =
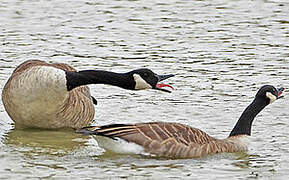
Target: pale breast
column 35, row 94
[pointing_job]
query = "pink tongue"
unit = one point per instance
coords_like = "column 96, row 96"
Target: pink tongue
column 164, row 85
column 279, row 93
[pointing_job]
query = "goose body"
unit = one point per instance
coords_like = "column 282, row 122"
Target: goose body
column 176, row 140
column 165, row 140
column 44, row 95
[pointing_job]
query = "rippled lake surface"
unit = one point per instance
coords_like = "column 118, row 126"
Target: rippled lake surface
column 221, row 51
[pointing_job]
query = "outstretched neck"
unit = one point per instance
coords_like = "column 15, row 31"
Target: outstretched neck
column 244, row 124
column 76, row 79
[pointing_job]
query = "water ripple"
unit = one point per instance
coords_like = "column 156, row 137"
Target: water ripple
column 221, row 52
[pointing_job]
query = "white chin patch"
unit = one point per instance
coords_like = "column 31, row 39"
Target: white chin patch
column 271, row 97
column 140, row 83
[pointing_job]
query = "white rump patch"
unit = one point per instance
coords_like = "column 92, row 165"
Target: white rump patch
column 271, row 97
column 119, row 146
column 140, row 83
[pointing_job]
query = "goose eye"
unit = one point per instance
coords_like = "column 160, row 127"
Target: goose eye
column 145, row 75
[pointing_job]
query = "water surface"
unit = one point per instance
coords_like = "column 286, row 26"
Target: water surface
column 221, row 51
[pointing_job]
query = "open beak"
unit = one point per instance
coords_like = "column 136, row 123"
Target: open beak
column 160, row 86
column 280, row 92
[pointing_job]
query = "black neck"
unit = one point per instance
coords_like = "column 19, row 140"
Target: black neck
column 76, row 79
column 244, row 123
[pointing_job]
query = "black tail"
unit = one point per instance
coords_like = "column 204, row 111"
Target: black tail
column 86, row 130
column 111, row 130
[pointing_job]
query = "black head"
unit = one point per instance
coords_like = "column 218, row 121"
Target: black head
column 270, row 93
column 146, row 79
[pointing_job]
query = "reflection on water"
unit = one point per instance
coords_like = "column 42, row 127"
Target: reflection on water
column 221, row 51
column 45, row 140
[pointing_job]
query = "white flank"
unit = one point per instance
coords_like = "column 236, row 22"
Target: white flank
column 271, row 97
column 119, row 146
column 140, row 83
column 243, row 142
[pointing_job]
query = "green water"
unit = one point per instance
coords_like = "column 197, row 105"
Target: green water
column 221, row 51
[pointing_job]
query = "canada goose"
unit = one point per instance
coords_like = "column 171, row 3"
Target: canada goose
column 178, row 140
column 43, row 95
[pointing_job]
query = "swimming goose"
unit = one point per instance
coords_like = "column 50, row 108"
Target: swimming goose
column 176, row 140
column 44, row 95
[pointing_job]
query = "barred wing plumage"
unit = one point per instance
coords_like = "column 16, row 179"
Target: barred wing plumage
column 163, row 139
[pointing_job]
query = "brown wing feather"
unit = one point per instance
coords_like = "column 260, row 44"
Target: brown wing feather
column 160, row 138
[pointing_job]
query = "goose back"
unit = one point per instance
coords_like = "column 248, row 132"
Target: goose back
column 170, row 139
